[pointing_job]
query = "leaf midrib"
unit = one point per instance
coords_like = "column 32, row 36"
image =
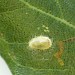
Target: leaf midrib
column 48, row 14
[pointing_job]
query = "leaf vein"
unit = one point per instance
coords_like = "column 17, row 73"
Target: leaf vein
column 18, row 64
column 57, row 2
column 48, row 14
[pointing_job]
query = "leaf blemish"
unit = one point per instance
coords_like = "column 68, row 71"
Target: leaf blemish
column 46, row 28
column 40, row 42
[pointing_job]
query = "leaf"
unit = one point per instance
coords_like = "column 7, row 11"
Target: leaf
column 21, row 20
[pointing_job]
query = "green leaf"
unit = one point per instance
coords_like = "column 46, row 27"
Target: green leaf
column 22, row 20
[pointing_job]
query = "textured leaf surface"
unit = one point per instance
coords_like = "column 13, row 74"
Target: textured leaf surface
column 21, row 20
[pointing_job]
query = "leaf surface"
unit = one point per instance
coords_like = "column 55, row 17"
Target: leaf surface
column 22, row 20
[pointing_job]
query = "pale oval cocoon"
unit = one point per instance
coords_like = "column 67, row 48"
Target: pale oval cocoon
column 40, row 42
